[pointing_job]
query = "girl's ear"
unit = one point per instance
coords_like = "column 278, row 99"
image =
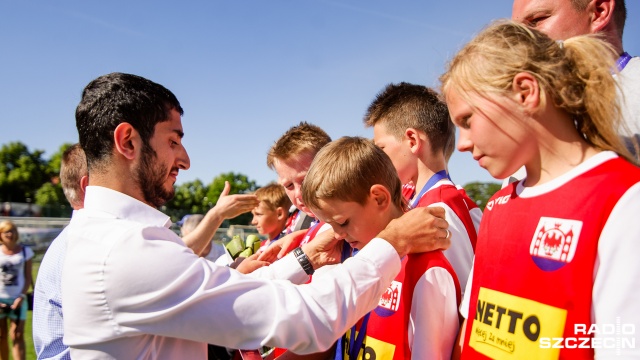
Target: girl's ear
column 526, row 91
column 126, row 140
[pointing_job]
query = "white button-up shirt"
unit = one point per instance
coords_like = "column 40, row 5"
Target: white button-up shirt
column 133, row 290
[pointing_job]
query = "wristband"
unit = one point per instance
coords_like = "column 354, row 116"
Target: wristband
column 303, row 260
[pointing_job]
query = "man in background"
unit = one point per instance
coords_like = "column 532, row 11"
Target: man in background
column 562, row 19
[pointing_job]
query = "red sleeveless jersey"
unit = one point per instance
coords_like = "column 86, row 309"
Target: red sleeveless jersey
column 387, row 330
column 534, row 266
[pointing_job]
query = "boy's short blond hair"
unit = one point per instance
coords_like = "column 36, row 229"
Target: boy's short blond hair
column 274, row 196
column 300, row 139
column 346, row 169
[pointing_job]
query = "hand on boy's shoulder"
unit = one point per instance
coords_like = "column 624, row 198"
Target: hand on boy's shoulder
column 420, row 230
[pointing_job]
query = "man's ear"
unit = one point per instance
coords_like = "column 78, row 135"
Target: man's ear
column 380, row 195
column 600, row 13
column 126, row 140
column 526, row 91
column 84, row 181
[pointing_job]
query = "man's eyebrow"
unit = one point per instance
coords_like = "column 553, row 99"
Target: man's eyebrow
column 179, row 132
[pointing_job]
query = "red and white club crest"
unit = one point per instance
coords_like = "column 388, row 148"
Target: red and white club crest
column 391, row 298
column 555, row 239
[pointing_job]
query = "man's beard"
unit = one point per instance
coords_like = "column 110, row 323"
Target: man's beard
column 151, row 179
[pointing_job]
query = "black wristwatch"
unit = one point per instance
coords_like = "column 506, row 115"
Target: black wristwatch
column 303, row 260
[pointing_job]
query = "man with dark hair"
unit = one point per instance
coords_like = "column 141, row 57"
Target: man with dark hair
column 562, row 19
column 48, row 311
column 134, row 290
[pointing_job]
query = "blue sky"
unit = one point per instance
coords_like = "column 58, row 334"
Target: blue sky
column 244, row 71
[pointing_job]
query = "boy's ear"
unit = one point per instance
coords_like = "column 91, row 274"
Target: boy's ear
column 281, row 213
column 126, row 140
column 412, row 136
column 526, row 91
column 380, row 195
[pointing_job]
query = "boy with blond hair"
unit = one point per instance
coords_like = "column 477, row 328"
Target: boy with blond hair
column 271, row 214
column 411, row 124
column 353, row 187
column 290, row 156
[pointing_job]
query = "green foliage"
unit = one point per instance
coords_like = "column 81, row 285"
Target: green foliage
column 21, row 172
column 196, row 198
column 481, row 192
column 50, row 194
column 240, row 184
column 56, row 159
column 190, row 198
column 27, row 175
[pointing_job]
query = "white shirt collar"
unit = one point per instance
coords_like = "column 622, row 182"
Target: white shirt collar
column 122, row 206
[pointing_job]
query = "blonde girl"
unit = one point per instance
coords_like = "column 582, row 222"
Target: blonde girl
column 15, row 281
column 556, row 252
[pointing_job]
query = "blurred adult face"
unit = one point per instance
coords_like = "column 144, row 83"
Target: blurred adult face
column 556, row 18
column 9, row 236
column 160, row 163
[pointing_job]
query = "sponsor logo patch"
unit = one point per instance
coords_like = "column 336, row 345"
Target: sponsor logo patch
column 510, row 327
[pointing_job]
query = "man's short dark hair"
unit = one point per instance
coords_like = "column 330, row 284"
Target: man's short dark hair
column 116, row 98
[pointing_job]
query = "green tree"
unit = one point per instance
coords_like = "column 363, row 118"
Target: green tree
column 52, row 200
column 481, row 192
column 196, row 198
column 190, row 198
column 22, row 172
column 56, row 159
column 240, row 184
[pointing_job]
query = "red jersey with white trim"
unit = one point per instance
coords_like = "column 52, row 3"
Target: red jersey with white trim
column 536, row 260
column 462, row 224
column 390, row 329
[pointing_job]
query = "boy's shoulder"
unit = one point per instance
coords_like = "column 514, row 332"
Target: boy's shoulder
column 445, row 192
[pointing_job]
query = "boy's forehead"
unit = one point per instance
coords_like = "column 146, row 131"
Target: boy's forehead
column 382, row 133
column 294, row 164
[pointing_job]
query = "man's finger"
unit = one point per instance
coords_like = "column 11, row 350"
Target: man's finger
column 437, row 211
column 227, row 188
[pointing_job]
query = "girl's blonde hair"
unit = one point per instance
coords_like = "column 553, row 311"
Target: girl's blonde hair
column 7, row 225
column 574, row 74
